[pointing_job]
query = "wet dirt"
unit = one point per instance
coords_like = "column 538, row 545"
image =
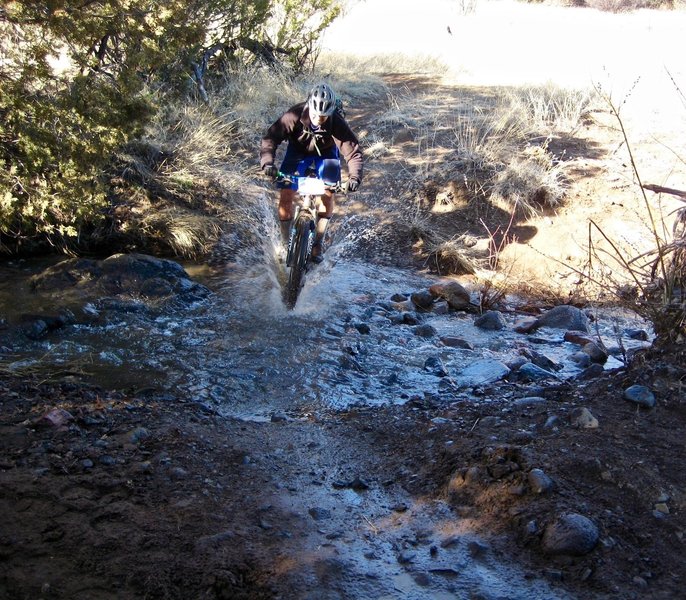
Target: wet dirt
column 159, row 497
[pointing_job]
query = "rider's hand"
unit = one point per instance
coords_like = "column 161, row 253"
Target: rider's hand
column 270, row 171
column 353, row 184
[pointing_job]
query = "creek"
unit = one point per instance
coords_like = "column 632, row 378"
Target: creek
column 239, row 350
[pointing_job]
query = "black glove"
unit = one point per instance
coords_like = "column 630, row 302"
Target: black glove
column 270, row 171
column 353, row 184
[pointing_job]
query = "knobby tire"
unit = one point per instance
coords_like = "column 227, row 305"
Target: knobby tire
column 300, row 255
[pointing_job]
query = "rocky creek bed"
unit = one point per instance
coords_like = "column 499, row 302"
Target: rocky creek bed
column 514, row 484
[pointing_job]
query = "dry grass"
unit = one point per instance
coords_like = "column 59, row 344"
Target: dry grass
column 531, row 183
column 189, row 234
column 450, row 258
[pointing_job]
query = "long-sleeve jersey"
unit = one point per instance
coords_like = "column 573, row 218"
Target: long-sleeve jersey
column 295, row 126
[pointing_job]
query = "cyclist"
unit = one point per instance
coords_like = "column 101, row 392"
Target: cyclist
column 317, row 135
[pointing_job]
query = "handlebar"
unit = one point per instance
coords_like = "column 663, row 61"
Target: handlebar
column 288, row 178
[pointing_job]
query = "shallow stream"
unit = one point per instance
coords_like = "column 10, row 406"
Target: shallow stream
column 242, row 352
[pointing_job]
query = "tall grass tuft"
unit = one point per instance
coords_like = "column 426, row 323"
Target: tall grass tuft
column 652, row 283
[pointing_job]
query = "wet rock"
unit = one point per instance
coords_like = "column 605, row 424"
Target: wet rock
column 580, row 338
column 481, row 373
column 119, row 305
column 570, row 534
column 526, row 325
column 425, row 331
column 398, row 298
column 582, row 359
column 456, row 342
column 541, row 360
column 564, row 317
column 434, row 365
column 636, row 334
column 598, row 355
column 491, row 320
column 403, row 306
column 319, row 514
column 641, row 395
column 131, row 274
column 531, row 372
column 441, row 307
column 363, row 328
column 583, row 419
column 591, row 372
column 516, row 363
column 539, row 482
column 35, row 330
column 410, row 318
column 422, row 300
column 457, row 297
column 156, row 287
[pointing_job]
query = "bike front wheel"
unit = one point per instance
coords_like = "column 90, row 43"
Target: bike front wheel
column 298, row 256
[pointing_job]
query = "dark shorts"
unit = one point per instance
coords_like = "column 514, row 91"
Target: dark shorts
column 327, row 166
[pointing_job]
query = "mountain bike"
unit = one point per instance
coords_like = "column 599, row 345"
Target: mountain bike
column 302, row 233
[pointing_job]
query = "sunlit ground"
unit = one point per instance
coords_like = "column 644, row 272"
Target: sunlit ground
column 504, row 42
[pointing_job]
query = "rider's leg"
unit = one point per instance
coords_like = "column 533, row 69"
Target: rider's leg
column 286, row 198
column 322, row 222
column 329, row 169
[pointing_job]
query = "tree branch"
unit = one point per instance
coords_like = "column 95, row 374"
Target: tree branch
column 659, row 189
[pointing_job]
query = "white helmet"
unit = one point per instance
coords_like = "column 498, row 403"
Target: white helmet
column 322, row 101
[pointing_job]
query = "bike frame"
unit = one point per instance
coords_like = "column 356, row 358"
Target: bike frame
column 310, row 191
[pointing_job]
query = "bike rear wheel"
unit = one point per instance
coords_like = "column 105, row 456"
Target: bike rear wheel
column 299, row 254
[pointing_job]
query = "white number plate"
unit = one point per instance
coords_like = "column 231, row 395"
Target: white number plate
column 311, row 186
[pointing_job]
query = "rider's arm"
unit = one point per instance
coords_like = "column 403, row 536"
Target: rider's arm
column 349, row 146
column 279, row 131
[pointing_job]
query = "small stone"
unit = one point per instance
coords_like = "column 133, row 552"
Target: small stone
column 363, row 328
column 662, row 507
column 583, row 419
column 570, row 534
column 319, row 514
column 539, row 482
column 87, row 463
column 456, row 342
column 491, row 320
column 640, row 395
column 598, row 355
column 422, row 300
column 425, row 331
column 477, row 548
column 178, row 473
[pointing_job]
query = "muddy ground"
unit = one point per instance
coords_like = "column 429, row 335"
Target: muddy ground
column 157, row 497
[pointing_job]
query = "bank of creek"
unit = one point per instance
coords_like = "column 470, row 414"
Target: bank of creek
column 179, row 434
